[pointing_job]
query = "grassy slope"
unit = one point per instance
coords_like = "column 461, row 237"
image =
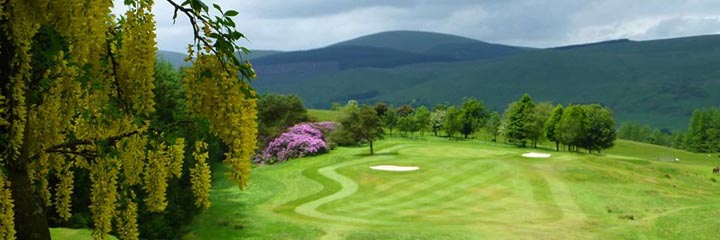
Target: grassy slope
column 325, row 115
column 470, row 190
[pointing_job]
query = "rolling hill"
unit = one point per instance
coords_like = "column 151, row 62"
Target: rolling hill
column 178, row 59
column 658, row 82
column 436, row 44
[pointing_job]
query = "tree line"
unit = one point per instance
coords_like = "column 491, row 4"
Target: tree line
column 524, row 122
column 703, row 134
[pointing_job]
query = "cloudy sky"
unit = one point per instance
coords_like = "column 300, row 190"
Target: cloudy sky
column 307, row 24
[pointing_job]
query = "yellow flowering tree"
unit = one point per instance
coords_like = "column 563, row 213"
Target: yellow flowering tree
column 76, row 92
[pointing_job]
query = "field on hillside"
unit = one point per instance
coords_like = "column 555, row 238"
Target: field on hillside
column 470, row 190
column 325, row 115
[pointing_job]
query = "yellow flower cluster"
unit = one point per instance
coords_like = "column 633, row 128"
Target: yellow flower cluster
column 3, row 107
column 22, row 25
column 136, row 58
column 98, row 96
column 64, row 190
column 132, row 156
column 7, row 226
column 215, row 92
column 177, row 154
column 104, row 195
column 162, row 161
column 127, row 226
column 200, row 177
column 155, row 178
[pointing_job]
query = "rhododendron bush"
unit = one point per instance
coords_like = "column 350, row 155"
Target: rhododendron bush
column 301, row 140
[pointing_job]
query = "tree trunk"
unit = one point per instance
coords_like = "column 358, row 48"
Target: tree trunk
column 557, row 146
column 30, row 220
column 371, row 148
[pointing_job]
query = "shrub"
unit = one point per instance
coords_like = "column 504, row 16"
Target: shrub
column 301, row 140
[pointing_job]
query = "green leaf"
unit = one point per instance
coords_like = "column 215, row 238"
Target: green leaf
column 229, row 22
column 235, row 35
column 245, row 50
column 215, row 35
column 217, row 7
column 231, row 13
column 195, row 5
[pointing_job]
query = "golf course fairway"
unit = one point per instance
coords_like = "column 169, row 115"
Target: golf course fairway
column 470, row 190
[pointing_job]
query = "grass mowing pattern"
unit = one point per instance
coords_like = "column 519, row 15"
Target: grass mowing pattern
column 470, row 190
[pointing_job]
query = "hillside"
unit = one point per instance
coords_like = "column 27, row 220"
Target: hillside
column 178, row 59
column 346, row 57
column 657, row 82
column 436, row 44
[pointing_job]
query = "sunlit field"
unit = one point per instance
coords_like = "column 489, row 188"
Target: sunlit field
column 470, row 190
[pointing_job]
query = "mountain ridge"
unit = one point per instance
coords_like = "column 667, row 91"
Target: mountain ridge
column 658, row 82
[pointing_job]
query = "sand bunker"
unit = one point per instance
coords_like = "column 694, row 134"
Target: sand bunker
column 536, row 155
column 394, row 168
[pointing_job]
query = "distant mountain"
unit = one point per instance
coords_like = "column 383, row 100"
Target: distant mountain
column 435, row 44
column 345, row 57
column 254, row 54
column 658, row 82
column 178, row 59
column 592, row 44
column 409, row 41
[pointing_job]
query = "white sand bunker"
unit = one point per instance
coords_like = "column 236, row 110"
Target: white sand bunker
column 394, row 168
column 536, row 155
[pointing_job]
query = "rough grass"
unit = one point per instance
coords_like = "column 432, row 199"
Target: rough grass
column 470, row 190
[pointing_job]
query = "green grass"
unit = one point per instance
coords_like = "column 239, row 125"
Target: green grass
column 470, row 190
column 72, row 234
column 325, row 115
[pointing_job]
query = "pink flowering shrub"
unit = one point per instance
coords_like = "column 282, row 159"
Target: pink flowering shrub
column 324, row 127
column 301, row 140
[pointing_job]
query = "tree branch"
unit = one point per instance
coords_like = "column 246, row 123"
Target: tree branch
column 115, row 65
column 86, row 154
column 193, row 17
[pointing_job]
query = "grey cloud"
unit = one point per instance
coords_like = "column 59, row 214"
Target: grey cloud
column 684, row 26
column 292, row 25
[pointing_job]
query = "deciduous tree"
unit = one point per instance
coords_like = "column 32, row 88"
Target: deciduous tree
column 551, row 125
column 364, row 125
column 422, row 118
column 453, row 121
column 390, row 119
column 473, row 113
column 77, row 89
column 437, row 120
column 520, row 120
column 493, row 125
